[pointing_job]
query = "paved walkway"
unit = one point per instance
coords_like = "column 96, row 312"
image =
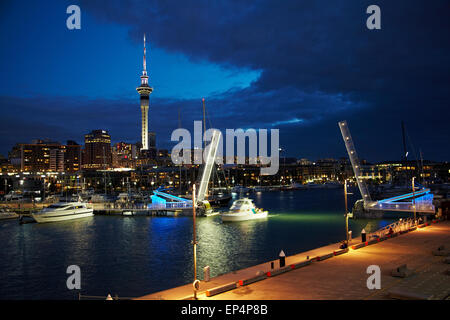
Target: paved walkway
column 344, row 276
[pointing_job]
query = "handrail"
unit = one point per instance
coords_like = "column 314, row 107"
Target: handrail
column 398, row 226
column 116, row 297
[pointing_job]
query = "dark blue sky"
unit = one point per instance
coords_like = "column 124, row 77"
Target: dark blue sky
column 300, row 66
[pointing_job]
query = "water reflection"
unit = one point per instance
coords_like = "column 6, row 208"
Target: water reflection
column 133, row 256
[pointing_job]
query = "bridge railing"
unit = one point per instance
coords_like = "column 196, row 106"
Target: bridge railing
column 404, row 206
column 170, row 205
column 398, row 226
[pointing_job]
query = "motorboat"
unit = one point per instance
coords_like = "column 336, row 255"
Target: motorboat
column 13, row 196
column 261, row 189
column 240, row 189
column 98, row 198
column 243, row 209
column 5, row 215
column 294, row 186
column 63, row 211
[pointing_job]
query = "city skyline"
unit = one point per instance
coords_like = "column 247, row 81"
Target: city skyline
column 75, row 81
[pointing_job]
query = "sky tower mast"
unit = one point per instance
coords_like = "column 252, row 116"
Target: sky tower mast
column 144, row 91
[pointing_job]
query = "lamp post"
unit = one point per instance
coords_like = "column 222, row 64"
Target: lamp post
column 346, row 212
column 414, row 200
column 194, row 242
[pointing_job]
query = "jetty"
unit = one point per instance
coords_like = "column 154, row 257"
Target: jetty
column 418, row 253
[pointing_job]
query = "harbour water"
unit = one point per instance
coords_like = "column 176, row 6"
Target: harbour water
column 133, row 256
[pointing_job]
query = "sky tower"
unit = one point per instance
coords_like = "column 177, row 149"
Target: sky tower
column 144, row 91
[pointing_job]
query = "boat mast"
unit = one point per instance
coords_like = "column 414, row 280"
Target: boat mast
column 405, row 153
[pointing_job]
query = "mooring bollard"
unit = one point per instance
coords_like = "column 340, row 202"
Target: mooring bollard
column 206, row 273
column 363, row 236
column 282, row 259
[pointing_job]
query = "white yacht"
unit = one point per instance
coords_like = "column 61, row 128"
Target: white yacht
column 62, row 211
column 4, row 215
column 243, row 209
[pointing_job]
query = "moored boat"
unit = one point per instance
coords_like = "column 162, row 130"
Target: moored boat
column 5, row 215
column 63, row 211
column 243, row 209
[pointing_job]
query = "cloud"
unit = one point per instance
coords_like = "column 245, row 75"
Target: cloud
column 312, row 49
column 317, row 61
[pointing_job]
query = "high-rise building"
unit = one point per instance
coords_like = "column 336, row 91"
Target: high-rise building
column 46, row 155
column 72, row 156
column 35, row 156
column 144, row 91
column 124, row 155
column 15, row 156
column 57, row 159
column 152, row 140
column 97, row 150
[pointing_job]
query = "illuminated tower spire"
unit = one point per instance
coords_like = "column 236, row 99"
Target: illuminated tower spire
column 144, row 73
column 144, row 91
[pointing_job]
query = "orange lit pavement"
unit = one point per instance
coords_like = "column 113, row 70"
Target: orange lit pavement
column 343, row 276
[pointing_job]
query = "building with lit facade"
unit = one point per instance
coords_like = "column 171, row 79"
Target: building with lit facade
column 36, row 156
column 45, row 156
column 124, row 155
column 72, row 156
column 97, row 150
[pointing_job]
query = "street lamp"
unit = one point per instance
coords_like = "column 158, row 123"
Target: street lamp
column 414, row 200
column 346, row 210
column 194, row 242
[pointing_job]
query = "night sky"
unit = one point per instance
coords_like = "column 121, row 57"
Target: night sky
column 299, row 66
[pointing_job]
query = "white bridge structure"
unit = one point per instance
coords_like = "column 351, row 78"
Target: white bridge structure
column 163, row 200
column 419, row 200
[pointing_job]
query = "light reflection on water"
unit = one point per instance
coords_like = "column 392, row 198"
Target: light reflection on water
column 133, row 256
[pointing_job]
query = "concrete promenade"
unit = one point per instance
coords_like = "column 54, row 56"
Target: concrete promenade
column 343, row 276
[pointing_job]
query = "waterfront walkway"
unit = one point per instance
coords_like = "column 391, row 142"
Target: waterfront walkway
column 343, row 276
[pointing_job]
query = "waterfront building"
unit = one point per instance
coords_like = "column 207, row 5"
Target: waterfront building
column 45, row 156
column 144, row 91
column 5, row 165
column 57, row 159
column 97, row 150
column 124, row 155
column 15, row 156
column 304, row 162
column 72, row 156
column 36, row 156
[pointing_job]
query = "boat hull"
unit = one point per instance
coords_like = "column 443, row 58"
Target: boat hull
column 219, row 201
column 243, row 217
column 57, row 217
column 8, row 215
